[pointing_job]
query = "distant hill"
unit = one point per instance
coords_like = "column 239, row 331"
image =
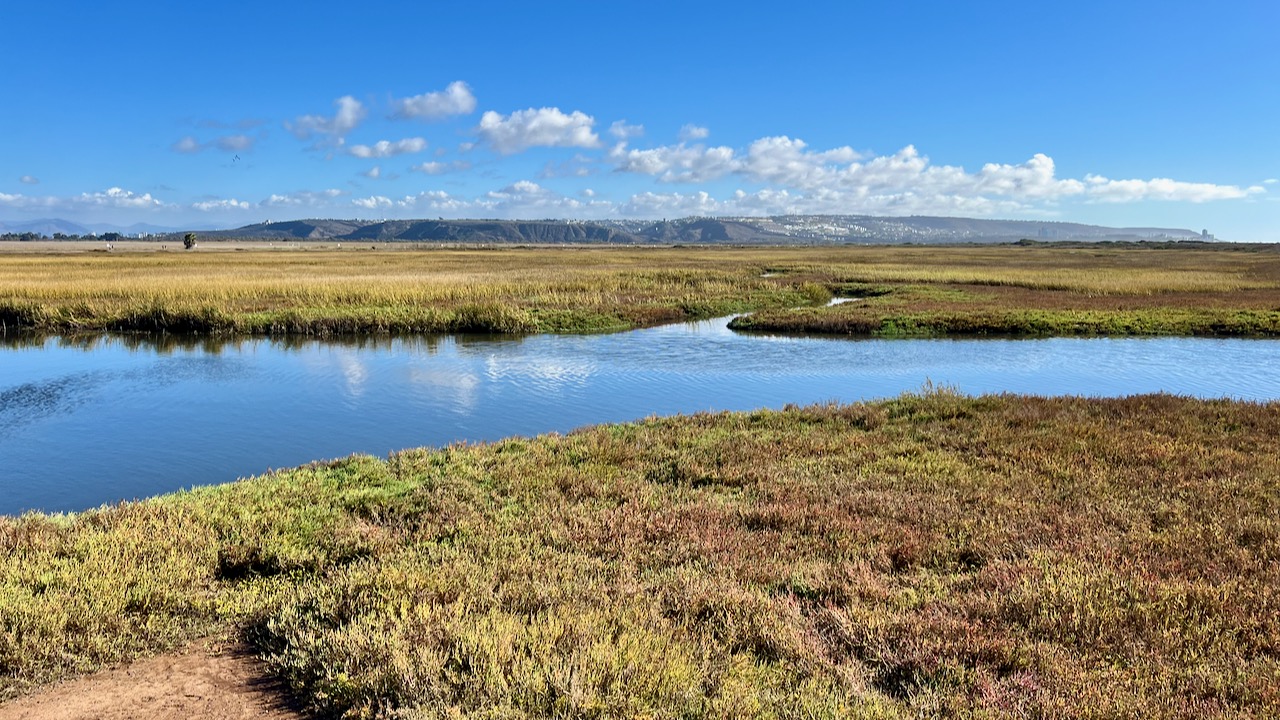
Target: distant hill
column 789, row 229
column 777, row 230
column 443, row 231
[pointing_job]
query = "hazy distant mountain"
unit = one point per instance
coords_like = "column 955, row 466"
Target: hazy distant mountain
column 45, row 226
column 135, row 229
column 51, row 226
column 777, row 230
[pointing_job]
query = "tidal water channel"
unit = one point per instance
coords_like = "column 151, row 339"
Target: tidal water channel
column 86, row 421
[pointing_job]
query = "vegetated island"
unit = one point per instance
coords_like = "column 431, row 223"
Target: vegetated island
column 1019, row 289
column 929, row 556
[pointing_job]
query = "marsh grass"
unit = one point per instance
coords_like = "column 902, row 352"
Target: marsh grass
column 934, row 555
column 603, row 289
column 333, row 292
column 930, row 310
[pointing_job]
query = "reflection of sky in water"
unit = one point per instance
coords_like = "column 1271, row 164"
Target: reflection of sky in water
column 96, row 420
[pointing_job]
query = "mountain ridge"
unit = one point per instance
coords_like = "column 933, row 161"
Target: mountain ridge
column 773, row 230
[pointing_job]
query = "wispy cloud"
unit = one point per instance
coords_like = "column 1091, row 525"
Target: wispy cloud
column 691, row 132
column 436, row 167
column 1106, row 190
column 540, row 127
column 215, row 205
column 456, row 99
column 245, row 124
column 29, row 180
column 239, row 143
column 623, row 131
column 387, row 148
column 188, row 145
column 578, row 166
column 234, row 143
column 302, row 198
column 519, row 199
column 110, row 198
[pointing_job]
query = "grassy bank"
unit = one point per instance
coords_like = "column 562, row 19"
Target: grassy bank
column 929, row 556
column 920, row 290
column 915, row 310
column 344, row 292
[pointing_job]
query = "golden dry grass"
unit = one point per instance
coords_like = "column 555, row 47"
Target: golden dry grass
column 930, row 556
column 557, row 289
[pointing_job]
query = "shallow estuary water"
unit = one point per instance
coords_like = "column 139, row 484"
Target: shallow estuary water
column 90, row 421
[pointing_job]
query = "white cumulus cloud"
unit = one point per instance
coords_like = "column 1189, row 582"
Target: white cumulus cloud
column 118, row 198
column 29, row 180
column 456, row 99
column 350, row 113
column 386, row 148
column 784, row 161
column 840, row 180
column 537, row 127
column 375, row 202
column 1032, row 179
column 676, row 163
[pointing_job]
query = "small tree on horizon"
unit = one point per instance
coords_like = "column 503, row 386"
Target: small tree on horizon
column 189, row 240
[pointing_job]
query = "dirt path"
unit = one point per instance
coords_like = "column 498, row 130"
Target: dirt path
column 198, row 683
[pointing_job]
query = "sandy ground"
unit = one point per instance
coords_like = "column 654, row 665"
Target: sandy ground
column 198, row 683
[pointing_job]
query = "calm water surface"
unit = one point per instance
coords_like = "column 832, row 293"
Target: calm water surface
column 85, row 422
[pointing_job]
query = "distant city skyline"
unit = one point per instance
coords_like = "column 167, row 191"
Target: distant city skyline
column 1137, row 114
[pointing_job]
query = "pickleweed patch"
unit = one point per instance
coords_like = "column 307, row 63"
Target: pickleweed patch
column 933, row 555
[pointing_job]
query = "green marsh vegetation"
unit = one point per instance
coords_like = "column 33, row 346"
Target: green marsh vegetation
column 1038, row 290
column 933, row 555
column 1046, row 291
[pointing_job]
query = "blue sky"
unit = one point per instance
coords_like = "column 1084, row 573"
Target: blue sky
column 216, row 115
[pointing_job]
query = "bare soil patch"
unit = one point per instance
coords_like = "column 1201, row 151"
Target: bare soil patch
column 199, row 682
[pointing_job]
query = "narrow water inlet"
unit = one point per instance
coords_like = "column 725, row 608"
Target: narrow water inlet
column 85, row 421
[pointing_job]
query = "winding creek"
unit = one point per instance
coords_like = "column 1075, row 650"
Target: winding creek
column 96, row 420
